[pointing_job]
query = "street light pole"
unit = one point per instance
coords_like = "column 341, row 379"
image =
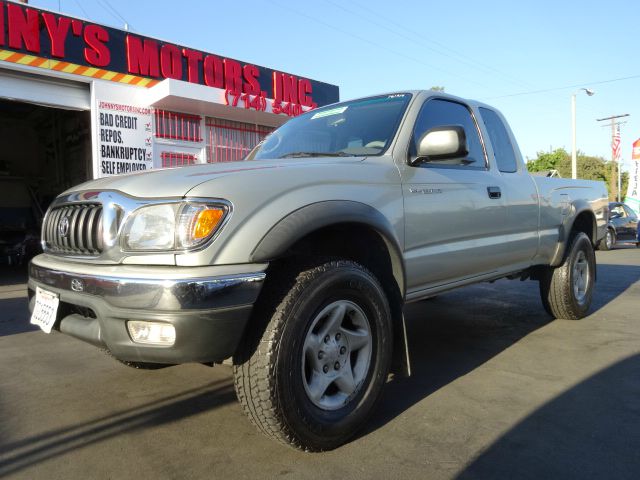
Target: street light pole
column 574, row 153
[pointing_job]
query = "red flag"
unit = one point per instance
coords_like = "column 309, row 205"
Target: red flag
column 615, row 144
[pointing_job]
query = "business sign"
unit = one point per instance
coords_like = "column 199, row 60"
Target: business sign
column 633, row 191
column 124, row 138
column 36, row 37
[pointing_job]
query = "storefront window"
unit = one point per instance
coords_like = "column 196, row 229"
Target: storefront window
column 229, row 141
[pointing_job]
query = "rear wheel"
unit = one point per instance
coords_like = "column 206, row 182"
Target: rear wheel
column 608, row 241
column 311, row 378
column 567, row 290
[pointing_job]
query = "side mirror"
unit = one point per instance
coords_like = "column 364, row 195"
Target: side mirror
column 442, row 143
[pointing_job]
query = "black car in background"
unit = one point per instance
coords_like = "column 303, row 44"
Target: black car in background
column 20, row 222
column 622, row 227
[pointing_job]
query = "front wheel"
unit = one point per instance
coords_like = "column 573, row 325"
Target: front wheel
column 314, row 374
column 567, row 290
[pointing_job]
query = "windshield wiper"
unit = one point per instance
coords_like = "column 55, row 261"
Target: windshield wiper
column 317, row 154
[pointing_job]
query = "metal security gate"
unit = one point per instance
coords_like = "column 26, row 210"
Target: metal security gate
column 177, row 159
column 228, row 141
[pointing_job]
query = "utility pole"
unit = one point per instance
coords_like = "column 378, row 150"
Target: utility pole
column 614, row 166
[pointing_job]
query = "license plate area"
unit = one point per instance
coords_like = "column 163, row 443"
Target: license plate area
column 45, row 310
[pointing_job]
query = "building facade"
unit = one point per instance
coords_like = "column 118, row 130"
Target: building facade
column 79, row 100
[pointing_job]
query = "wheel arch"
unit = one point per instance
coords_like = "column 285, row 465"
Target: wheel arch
column 320, row 230
column 317, row 219
column 583, row 220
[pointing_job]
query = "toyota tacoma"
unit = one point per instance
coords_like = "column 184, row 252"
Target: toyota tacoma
column 296, row 263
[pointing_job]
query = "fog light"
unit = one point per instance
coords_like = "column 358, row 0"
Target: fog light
column 153, row 333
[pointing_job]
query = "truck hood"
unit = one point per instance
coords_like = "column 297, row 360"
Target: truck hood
column 176, row 182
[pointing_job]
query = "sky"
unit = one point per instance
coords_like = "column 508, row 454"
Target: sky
column 524, row 57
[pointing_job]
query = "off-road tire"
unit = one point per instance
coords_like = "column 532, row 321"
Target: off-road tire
column 268, row 371
column 557, row 284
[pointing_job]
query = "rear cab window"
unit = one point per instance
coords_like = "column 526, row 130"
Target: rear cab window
column 502, row 148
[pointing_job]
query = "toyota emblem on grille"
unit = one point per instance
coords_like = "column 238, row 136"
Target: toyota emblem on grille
column 63, row 226
column 77, row 285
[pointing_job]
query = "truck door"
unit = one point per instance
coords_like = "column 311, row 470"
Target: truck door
column 520, row 192
column 455, row 214
column 631, row 220
column 619, row 219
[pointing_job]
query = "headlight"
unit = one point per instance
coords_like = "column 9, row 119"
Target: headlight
column 152, row 228
column 173, row 226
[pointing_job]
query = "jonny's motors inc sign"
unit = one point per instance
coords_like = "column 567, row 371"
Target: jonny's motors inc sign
column 48, row 35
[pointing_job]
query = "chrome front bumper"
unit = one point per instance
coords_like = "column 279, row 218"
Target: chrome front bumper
column 208, row 306
column 154, row 293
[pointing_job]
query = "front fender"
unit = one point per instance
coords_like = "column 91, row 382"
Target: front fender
column 310, row 218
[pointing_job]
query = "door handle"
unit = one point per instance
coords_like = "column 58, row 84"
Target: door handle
column 494, row 192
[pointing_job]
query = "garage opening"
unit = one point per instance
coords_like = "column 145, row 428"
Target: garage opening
column 45, row 150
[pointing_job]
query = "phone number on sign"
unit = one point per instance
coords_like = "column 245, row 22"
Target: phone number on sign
column 259, row 103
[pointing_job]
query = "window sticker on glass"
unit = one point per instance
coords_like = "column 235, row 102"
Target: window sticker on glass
column 328, row 113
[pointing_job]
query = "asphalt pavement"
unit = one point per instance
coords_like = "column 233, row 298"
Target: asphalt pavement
column 499, row 390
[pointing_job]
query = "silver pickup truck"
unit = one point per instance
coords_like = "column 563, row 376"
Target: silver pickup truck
column 297, row 262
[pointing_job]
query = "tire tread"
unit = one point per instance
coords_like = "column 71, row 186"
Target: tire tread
column 556, row 289
column 254, row 372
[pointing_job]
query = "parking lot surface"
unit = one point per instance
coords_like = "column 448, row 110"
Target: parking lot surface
column 499, row 390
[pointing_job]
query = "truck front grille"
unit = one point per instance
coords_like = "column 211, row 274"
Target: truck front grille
column 74, row 230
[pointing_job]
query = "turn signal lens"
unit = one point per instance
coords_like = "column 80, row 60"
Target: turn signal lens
column 206, row 222
column 198, row 222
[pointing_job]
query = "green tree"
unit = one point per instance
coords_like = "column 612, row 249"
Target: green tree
column 589, row 167
column 558, row 159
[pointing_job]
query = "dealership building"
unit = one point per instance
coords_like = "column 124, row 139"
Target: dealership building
column 79, row 100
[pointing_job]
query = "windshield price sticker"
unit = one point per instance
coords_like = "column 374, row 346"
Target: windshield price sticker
column 328, row 113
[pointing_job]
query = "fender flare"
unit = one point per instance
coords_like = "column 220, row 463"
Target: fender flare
column 564, row 232
column 300, row 223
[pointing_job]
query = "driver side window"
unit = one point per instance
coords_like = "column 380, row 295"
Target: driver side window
column 618, row 212
column 438, row 113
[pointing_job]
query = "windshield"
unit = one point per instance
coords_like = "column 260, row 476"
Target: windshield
column 359, row 127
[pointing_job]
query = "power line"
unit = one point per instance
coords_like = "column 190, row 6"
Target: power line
column 395, row 32
column 109, row 8
column 467, row 60
column 420, row 41
column 113, row 9
column 82, row 8
column 371, row 42
column 566, row 87
column 462, row 58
